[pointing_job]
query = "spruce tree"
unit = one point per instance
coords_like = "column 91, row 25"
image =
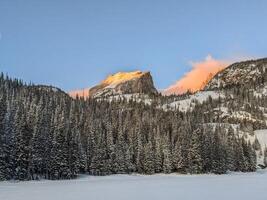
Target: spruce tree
column 194, row 154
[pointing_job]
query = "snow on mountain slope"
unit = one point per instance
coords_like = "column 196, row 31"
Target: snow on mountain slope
column 261, row 136
column 261, row 91
column 46, row 88
column 239, row 73
column 138, row 98
column 240, row 115
column 189, row 103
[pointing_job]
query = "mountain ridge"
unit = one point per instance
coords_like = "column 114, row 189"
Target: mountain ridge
column 239, row 73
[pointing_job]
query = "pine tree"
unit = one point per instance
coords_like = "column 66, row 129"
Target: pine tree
column 194, row 154
column 265, row 157
column 158, row 155
column 218, row 152
column 230, row 151
column 5, row 173
column 149, row 167
column 179, row 159
column 60, row 151
column 167, row 163
column 23, row 135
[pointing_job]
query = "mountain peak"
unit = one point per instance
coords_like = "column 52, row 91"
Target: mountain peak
column 240, row 73
column 122, row 77
column 121, row 83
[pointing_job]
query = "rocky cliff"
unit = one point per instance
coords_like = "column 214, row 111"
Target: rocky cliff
column 121, row 83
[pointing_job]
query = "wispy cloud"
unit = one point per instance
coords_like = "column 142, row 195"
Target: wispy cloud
column 200, row 72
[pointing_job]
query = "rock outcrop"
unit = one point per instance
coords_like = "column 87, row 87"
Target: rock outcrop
column 122, row 83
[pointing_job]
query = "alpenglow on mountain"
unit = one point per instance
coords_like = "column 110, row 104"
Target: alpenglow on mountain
column 136, row 82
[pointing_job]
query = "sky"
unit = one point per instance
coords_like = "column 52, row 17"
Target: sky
column 76, row 44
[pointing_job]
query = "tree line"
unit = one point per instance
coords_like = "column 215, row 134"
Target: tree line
column 46, row 134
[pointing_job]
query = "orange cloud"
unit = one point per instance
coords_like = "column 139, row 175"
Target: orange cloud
column 195, row 79
column 79, row 93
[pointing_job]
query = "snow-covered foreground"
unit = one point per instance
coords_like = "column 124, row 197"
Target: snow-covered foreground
column 251, row 186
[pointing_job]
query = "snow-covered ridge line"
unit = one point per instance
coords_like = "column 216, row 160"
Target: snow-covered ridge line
column 239, row 73
column 190, row 102
column 181, row 105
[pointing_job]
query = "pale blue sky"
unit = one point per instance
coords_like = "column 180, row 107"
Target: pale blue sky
column 76, row 43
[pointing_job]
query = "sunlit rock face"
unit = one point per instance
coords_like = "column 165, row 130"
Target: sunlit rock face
column 120, row 77
column 121, row 83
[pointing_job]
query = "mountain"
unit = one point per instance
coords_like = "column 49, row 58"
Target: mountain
column 136, row 82
column 251, row 75
column 235, row 97
column 246, row 72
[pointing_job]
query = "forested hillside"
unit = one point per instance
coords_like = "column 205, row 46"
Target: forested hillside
column 44, row 133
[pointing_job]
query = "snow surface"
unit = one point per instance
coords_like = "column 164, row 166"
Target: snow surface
column 245, row 186
column 261, row 92
column 188, row 103
column 136, row 97
column 261, row 135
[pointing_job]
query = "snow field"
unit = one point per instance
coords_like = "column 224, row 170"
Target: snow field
column 233, row 186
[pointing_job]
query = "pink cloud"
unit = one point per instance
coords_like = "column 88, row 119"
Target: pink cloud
column 195, row 79
column 79, row 93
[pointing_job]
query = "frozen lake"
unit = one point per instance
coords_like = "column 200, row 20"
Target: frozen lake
column 251, row 186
